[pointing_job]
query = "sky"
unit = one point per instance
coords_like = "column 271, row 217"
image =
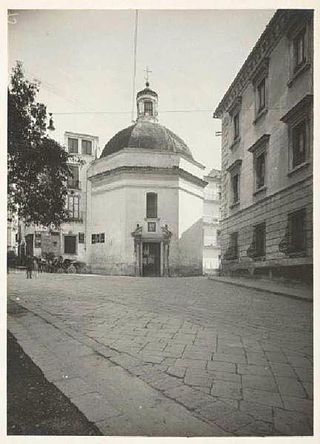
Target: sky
column 84, row 62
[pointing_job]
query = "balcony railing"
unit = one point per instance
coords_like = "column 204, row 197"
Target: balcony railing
column 74, row 184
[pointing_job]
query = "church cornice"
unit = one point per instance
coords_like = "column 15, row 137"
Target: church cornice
column 277, row 28
column 173, row 171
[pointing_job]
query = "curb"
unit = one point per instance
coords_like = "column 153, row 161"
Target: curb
column 266, row 290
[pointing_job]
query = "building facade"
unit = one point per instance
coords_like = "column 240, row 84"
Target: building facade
column 211, row 218
column 267, row 152
column 69, row 240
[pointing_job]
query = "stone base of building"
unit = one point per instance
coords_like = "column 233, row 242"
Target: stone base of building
column 282, row 273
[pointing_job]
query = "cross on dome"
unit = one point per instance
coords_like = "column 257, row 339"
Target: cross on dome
column 148, row 71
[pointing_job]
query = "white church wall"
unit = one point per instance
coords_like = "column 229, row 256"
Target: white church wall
column 108, row 217
column 190, row 228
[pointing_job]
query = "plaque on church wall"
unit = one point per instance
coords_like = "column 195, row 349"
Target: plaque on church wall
column 152, row 227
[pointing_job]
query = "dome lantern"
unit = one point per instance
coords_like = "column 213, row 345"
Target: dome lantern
column 147, row 102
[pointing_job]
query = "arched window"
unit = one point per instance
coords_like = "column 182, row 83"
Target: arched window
column 148, row 107
column 152, row 204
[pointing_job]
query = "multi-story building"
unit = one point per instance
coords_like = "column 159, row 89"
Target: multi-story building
column 69, row 240
column 267, row 144
column 211, row 217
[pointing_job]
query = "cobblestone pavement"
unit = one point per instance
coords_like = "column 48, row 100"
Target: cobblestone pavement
column 223, row 360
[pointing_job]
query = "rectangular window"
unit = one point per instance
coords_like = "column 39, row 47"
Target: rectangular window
column 260, row 170
column 236, row 126
column 72, row 145
column 86, row 147
column 101, row 238
column 261, row 92
column 235, row 188
column 233, row 250
column 151, row 227
column 148, row 107
column 299, row 50
column 37, row 240
column 299, row 144
column 93, row 238
column 152, row 203
column 81, row 238
column 70, row 244
column 296, row 231
column 73, row 179
column 73, row 206
column 259, row 236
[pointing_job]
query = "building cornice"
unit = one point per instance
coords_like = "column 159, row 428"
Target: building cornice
column 275, row 30
column 236, row 164
column 175, row 171
column 261, row 141
column 300, row 106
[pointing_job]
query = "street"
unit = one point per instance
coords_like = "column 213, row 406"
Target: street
column 170, row 356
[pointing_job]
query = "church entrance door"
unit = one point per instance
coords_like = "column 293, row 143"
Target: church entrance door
column 151, row 259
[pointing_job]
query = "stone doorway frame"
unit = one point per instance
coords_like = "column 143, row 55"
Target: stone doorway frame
column 139, row 238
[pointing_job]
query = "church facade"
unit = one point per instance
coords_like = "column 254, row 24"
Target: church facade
column 140, row 208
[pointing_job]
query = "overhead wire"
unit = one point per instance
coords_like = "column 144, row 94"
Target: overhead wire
column 135, row 40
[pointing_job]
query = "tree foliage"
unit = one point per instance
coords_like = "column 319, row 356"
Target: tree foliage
column 37, row 164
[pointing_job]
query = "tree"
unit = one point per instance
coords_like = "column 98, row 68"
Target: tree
column 37, row 164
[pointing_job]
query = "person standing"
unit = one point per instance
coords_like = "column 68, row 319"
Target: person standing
column 29, row 267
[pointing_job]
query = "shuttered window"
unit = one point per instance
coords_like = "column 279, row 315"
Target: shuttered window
column 152, row 204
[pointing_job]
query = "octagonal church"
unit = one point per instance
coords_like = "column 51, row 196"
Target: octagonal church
column 145, row 201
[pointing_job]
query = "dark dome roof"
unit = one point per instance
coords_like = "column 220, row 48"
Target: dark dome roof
column 149, row 135
column 147, row 91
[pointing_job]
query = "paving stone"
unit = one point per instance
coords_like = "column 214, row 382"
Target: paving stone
column 280, row 369
column 258, row 411
column 259, row 370
column 230, row 350
column 233, row 421
column 202, row 389
column 276, row 357
column 256, row 358
column 194, row 378
column 189, row 397
column 290, row 387
column 192, row 363
column 215, row 410
column 221, row 366
column 259, row 382
column 298, row 405
column 236, row 359
column 299, row 361
column 262, row 397
column 202, row 356
column 165, row 383
column 292, row 423
column 179, row 372
column 308, row 386
column 305, row 374
column 225, row 376
column 256, row 428
column 153, row 358
column 226, row 389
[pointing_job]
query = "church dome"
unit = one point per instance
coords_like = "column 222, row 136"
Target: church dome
column 146, row 132
column 149, row 135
